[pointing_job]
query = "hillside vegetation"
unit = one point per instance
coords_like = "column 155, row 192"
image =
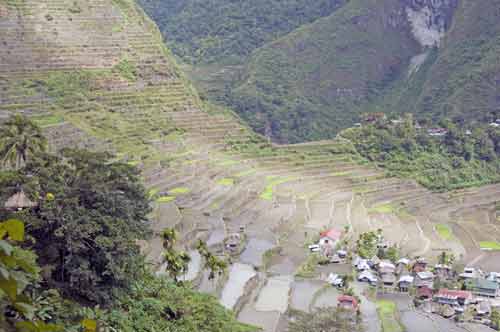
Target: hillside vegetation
column 460, row 158
column 316, row 79
column 201, row 31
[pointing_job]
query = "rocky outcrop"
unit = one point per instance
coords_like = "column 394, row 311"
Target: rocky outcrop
column 430, row 19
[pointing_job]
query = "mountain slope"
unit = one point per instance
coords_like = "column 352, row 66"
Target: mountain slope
column 310, row 83
column 432, row 58
column 202, row 31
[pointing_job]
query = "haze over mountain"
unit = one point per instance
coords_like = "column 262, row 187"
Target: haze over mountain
column 297, row 71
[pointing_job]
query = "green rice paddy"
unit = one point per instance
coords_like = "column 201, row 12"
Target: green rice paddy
column 444, row 231
column 489, row 245
column 179, row 191
column 165, row 199
column 226, row 182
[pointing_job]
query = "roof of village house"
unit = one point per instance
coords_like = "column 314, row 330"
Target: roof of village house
column 406, row 278
column 388, row 277
column 442, row 266
column 18, row 201
column 333, row 234
column 424, row 291
column 425, row 275
column 404, row 261
column 348, row 298
column 453, row 294
column 484, row 284
column 368, row 275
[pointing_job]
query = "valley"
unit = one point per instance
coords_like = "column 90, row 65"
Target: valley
column 210, row 177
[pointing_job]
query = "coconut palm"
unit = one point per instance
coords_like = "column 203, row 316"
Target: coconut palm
column 20, row 138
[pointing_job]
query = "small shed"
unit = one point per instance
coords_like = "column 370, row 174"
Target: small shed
column 347, row 302
column 330, row 237
column 388, row 279
column 424, row 279
column 405, row 282
column 19, row 201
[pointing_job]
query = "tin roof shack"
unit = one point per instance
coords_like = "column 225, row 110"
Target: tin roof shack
column 453, row 297
column 387, row 274
column 347, row 302
column 470, row 273
column 19, row 201
column 424, row 279
column 483, row 287
column 419, row 266
column 483, row 308
column 405, row 282
column 367, row 276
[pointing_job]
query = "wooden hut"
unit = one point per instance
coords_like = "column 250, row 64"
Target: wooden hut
column 19, row 201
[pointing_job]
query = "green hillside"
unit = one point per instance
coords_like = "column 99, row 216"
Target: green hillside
column 365, row 56
column 202, row 31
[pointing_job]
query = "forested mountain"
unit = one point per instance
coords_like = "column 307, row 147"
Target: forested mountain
column 433, row 58
column 202, row 31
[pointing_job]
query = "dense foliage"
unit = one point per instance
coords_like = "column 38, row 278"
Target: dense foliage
column 327, row 320
column 86, row 213
column 460, row 158
column 215, row 30
column 90, row 213
column 295, row 82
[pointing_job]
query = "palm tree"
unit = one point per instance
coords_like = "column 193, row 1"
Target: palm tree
column 20, row 138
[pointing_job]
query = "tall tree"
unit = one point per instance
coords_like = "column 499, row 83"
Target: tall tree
column 20, row 138
column 176, row 261
column 214, row 264
column 91, row 212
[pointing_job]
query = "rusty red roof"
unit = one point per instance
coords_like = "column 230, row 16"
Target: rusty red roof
column 348, row 298
column 333, row 234
column 454, row 294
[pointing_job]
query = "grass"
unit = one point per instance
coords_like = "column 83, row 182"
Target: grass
column 345, row 173
column 489, row 245
column 226, row 182
column 308, row 268
column 246, row 173
column 268, row 192
column 126, row 69
column 165, row 199
column 152, row 192
column 48, row 120
column 228, row 162
column 179, row 191
column 444, row 231
column 387, row 313
column 384, row 208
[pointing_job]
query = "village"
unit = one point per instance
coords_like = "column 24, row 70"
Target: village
column 460, row 294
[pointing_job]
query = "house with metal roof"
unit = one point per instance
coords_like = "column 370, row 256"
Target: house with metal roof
column 483, row 287
column 453, row 297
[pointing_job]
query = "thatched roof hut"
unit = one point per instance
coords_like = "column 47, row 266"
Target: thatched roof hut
column 19, row 201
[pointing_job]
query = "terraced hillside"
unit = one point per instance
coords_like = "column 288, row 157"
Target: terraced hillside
column 96, row 74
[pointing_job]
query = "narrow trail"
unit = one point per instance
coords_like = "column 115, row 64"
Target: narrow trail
column 424, row 238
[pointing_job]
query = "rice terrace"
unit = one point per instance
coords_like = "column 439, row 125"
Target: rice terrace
column 264, row 205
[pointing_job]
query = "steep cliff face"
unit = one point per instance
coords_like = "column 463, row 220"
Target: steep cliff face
column 430, row 19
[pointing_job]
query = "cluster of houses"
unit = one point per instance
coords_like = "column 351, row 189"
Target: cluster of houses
column 480, row 292
column 471, row 291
